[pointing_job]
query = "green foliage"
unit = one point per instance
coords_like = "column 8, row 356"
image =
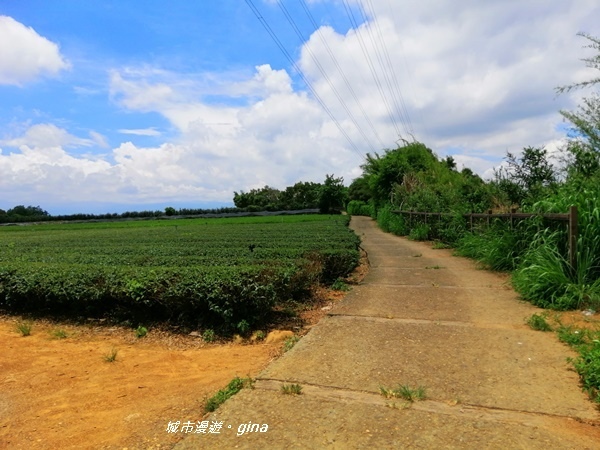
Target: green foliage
column 289, row 343
column 59, row 334
column 24, row 328
column 333, row 195
column 141, row 332
column 529, row 177
column 406, row 392
column 544, row 275
column 391, row 222
column 499, row 247
column 587, row 365
column 209, row 335
column 420, row 232
column 360, row 208
column 234, row 386
column 571, row 336
column 538, row 322
column 340, row 285
column 199, row 274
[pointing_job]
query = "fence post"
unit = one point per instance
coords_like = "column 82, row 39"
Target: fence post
column 573, row 237
column 488, row 217
column 512, row 211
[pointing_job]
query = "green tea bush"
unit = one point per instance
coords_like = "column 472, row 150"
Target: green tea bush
column 228, row 278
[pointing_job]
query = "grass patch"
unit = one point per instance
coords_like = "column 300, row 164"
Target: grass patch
column 234, row 386
column 538, row 322
column 439, row 245
column 289, row 343
column 571, row 336
column 434, row 267
column 111, row 356
column 23, row 328
column 291, row 389
column 59, row 334
column 405, row 392
column 587, row 365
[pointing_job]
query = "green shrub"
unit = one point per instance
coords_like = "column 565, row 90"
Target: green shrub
column 391, row 222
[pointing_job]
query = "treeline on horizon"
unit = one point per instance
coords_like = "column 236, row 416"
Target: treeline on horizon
column 327, row 197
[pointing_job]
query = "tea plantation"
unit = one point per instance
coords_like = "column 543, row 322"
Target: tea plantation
column 226, row 274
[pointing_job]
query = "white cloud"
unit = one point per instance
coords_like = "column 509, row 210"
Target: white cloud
column 141, row 131
column 25, row 55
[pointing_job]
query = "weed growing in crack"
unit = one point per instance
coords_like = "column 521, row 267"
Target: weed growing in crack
column 234, row 386
column 289, row 343
column 291, row 389
column 406, row 392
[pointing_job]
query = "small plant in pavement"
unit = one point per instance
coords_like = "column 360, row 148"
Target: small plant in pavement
column 291, row 389
column 406, row 392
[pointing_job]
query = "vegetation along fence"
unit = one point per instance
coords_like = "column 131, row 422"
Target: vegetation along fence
column 570, row 218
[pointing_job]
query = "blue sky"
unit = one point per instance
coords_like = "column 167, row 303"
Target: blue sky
column 126, row 105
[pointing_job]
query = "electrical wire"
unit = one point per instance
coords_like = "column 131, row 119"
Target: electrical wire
column 282, row 48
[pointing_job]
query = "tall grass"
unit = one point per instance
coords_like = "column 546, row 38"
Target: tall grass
column 391, row 222
column 499, row 247
column 544, row 275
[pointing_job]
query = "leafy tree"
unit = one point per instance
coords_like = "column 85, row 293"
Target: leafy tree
column 170, row 211
column 264, row 198
column 27, row 211
column 302, row 195
column 333, row 195
column 359, row 189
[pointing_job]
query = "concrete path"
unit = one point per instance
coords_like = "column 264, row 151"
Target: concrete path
column 421, row 318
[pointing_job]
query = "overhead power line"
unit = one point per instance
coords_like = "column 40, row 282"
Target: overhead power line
column 282, row 48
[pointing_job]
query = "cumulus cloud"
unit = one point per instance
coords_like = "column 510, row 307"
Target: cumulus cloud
column 280, row 138
column 473, row 76
column 25, row 55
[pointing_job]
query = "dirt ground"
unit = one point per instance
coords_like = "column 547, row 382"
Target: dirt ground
column 62, row 393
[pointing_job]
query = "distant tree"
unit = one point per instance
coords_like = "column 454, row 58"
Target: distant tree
column 302, row 195
column 27, row 211
column 170, row 211
column 526, row 177
column 359, row 189
column 257, row 199
column 333, row 195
